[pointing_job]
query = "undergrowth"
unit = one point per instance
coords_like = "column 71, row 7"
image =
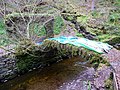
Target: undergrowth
column 3, row 38
column 58, row 23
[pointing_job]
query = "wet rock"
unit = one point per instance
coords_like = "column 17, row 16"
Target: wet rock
column 1, row 71
column 7, row 66
column 4, row 70
column 5, row 60
column 9, row 71
column 1, row 66
column 87, row 80
column 5, row 80
column 115, row 42
column 117, row 46
column 2, row 63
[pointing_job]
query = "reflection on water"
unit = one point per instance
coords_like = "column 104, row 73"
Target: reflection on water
column 49, row 78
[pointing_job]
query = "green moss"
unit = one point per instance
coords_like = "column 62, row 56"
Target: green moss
column 117, row 3
column 58, row 24
column 109, row 83
column 96, row 14
column 112, row 23
column 94, row 31
column 70, row 18
column 94, row 57
column 3, row 38
column 33, row 57
column 37, row 29
column 14, row 14
column 26, row 62
column 104, row 37
column 114, row 40
column 113, row 17
column 82, row 19
column 2, row 27
column 79, row 35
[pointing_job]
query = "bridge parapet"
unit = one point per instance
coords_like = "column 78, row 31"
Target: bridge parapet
column 71, row 50
column 36, row 56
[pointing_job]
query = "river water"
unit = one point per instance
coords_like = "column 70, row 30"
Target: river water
column 69, row 74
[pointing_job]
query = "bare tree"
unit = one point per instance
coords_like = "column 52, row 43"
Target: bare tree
column 24, row 13
column 21, row 17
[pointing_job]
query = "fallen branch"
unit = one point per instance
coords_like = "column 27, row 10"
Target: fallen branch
column 8, row 50
column 78, row 15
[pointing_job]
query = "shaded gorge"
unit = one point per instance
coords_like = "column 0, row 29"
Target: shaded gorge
column 74, row 73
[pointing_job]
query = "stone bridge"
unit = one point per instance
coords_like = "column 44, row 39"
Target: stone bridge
column 31, row 57
column 51, row 51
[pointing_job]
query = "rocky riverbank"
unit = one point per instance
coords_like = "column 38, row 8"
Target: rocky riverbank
column 114, row 59
column 74, row 73
column 7, row 68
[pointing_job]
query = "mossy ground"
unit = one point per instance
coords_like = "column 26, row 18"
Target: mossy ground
column 3, row 40
column 109, row 83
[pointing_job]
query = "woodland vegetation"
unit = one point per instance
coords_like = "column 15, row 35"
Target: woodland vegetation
column 27, row 19
column 24, row 23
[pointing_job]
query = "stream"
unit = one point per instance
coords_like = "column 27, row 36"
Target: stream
column 69, row 74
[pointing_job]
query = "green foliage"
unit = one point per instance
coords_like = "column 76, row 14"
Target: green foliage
column 70, row 18
column 104, row 37
column 94, row 31
column 109, row 83
column 114, row 40
column 37, row 29
column 40, row 30
column 95, row 14
column 25, row 63
column 113, row 17
column 117, row 3
column 58, row 23
column 82, row 19
column 25, row 55
column 79, row 35
column 2, row 28
column 89, row 85
column 112, row 24
column 3, row 39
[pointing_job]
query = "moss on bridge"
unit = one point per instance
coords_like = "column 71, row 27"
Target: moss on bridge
column 67, row 49
column 50, row 51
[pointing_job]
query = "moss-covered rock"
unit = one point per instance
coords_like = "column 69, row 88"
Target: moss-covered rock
column 93, row 57
column 109, row 83
column 115, row 42
column 31, row 56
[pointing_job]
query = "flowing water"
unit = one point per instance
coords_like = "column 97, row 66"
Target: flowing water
column 70, row 74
